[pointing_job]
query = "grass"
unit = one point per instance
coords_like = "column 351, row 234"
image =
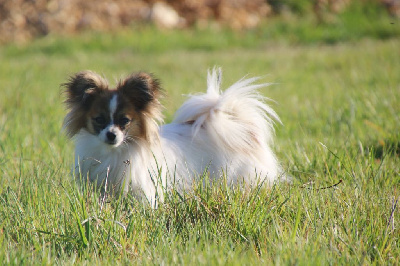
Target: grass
column 339, row 102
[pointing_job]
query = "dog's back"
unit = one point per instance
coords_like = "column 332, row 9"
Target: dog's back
column 229, row 133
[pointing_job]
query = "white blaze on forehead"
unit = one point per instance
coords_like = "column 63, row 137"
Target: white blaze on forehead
column 113, row 106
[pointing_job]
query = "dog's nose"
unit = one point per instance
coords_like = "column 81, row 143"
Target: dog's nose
column 111, row 136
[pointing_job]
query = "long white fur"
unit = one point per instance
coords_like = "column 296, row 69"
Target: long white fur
column 226, row 133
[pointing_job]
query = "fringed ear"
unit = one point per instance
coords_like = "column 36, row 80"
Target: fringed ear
column 80, row 89
column 143, row 91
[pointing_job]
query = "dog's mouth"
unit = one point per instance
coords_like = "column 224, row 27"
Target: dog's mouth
column 111, row 142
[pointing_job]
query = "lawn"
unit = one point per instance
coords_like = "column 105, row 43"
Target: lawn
column 338, row 99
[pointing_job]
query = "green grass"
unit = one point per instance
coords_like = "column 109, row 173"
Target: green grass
column 358, row 21
column 340, row 105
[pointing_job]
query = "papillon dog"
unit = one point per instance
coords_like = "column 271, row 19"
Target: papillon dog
column 120, row 144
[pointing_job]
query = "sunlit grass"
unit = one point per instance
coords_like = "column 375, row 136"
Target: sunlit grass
column 341, row 121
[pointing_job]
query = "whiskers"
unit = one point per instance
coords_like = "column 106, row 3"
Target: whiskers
column 129, row 140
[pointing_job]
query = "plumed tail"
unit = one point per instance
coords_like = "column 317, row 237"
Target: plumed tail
column 238, row 118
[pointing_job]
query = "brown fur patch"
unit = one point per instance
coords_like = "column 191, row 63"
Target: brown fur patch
column 81, row 89
column 135, row 129
column 99, row 107
column 142, row 92
column 141, row 89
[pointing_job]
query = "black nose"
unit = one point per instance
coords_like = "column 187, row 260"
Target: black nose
column 111, row 136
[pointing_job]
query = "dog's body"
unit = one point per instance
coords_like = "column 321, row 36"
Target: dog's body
column 118, row 140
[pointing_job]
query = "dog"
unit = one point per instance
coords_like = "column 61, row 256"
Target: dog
column 120, row 143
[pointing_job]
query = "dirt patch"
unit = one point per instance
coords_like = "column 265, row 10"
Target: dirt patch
column 23, row 20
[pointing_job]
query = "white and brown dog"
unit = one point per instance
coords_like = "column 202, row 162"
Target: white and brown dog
column 118, row 139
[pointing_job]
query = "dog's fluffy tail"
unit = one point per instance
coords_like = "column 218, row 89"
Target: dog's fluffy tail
column 238, row 119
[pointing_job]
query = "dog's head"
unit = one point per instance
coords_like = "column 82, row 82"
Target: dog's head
column 116, row 115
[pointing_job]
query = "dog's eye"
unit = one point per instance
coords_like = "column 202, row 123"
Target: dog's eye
column 100, row 120
column 124, row 121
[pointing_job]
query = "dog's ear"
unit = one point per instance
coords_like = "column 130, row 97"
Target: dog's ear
column 81, row 88
column 142, row 89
